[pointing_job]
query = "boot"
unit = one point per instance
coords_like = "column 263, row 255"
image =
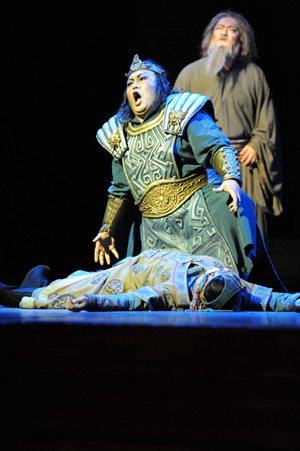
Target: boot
column 36, row 277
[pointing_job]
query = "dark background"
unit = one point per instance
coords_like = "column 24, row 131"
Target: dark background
column 62, row 77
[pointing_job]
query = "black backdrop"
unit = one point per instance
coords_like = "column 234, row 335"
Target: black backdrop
column 62, row 76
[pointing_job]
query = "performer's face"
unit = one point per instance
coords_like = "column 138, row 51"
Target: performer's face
column 226, row 31
column 141, row 87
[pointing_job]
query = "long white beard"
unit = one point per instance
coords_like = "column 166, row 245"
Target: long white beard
column 218, row 56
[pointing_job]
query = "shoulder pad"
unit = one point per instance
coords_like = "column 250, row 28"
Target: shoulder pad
column 112, row 138
column 181, row 108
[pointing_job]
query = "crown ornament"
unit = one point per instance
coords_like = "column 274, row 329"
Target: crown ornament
column 138, row 64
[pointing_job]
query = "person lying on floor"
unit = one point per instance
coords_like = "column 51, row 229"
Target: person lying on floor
column 152, row 280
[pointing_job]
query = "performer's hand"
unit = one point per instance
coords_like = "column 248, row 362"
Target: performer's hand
column 247, row 155
column 233, row 188
column 104, row 245
column 78, row 304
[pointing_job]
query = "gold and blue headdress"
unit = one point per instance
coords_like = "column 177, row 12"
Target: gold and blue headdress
column 138, row 64
column 232, row 286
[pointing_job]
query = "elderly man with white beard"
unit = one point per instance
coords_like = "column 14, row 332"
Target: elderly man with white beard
column 244, row 107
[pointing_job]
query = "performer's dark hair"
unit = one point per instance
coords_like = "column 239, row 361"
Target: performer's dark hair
column 214, row 288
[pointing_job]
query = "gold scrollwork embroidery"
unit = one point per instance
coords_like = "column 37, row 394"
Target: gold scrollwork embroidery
column 164, row 197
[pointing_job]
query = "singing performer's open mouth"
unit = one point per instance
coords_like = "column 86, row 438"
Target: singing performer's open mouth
column 137, row 98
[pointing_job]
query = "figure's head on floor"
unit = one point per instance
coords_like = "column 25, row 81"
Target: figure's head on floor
column 217, row 289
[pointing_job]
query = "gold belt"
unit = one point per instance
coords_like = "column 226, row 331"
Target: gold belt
column 164, row 197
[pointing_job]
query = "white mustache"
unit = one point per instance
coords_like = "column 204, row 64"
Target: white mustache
column 223, row 38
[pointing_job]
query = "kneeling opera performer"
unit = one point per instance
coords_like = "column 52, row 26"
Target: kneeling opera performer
column 179, row 175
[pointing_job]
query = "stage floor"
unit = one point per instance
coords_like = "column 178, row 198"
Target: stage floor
column 235, row 320
column 153, row 381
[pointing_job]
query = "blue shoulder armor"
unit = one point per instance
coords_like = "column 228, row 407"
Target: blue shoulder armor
column 180, row 108
column 111, row 137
